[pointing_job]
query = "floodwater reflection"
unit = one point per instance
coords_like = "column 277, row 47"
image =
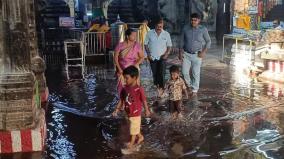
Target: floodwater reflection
column 232, row 118
column 59, row 145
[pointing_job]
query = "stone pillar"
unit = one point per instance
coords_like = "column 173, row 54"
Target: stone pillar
column 4, row 60
column 18, row 22
column 104, row 5
column 16, row 27
column 18, row 45
column 71, row 4
column 32, row 29
column 37, row 63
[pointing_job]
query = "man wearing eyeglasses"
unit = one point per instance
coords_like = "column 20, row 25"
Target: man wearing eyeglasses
column 194, row 43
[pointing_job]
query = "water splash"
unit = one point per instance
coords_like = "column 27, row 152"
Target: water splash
column 217, row 123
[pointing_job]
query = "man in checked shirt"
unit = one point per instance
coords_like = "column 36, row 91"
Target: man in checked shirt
column 194, row 43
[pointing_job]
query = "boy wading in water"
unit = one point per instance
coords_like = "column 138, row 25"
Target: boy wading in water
column 175, row 86
column 132, row 97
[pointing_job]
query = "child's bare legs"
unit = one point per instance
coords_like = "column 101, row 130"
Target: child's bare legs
column 175, row 108
column 140, row 138
column 132, row 142
column 172, row 108
column 179, row 108
column 133, row 139
column 135, row 124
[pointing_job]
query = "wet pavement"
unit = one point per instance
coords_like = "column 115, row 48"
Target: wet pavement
column 234, row 117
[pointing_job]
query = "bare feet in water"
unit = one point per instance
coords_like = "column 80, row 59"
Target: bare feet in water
column 129, row 145
column 174, row 115
column 194, row 94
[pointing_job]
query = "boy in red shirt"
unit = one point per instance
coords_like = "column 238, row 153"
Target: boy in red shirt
column 132, row 97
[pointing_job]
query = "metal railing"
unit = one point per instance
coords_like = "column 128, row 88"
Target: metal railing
column 88, row 44
column 52, row 43
column 94, row 43
column 77, row 33
column 74, row 61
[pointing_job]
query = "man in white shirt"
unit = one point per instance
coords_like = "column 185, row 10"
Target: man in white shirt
column 158, row 46
column 276, row 24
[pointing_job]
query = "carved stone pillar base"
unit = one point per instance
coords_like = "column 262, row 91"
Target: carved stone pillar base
column 26, row 140
column 17, row 103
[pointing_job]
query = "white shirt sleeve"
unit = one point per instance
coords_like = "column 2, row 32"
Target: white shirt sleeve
column 169, row 40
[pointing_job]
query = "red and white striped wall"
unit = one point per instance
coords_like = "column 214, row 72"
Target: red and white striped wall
column 275, row 90
column 276, row 66
column 29, row 140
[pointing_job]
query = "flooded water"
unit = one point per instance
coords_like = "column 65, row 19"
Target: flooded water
column 233, row 117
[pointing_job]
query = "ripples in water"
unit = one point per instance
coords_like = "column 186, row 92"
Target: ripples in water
column 232, row 119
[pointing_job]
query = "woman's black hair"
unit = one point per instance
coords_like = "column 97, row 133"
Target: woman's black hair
column 128, row 33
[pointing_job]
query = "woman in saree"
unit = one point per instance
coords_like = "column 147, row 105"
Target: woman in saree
column 127, row 53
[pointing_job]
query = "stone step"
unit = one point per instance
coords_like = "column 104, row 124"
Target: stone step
column 12, row 77
column 19, row 85
column 16, row 105
column 120, row 6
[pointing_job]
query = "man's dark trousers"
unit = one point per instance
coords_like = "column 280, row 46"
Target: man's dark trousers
column 158, row 70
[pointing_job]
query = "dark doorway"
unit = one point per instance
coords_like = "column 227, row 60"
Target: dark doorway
column 223, row 19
